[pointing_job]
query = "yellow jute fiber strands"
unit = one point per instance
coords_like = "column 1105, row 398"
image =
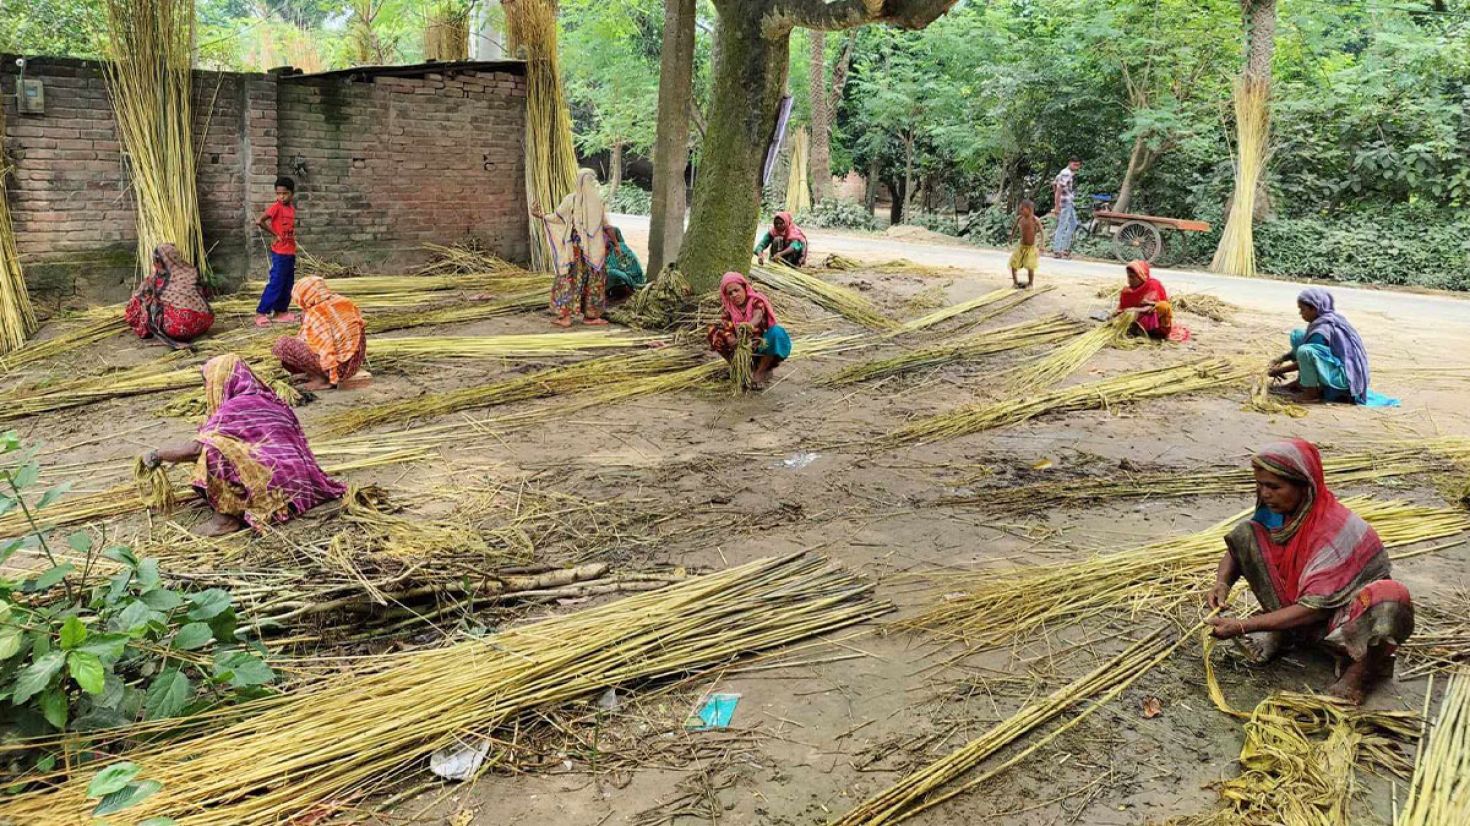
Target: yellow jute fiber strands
column 1341, row 467
column 549, row 382
column 1204, row 304
column 1263, row 401
column 930, row 785
column 1051, row 368
column 1440, row 794
column 965, row 347
column 17, row 318
column 354, row 734
column 838, row 299
column 997, row 607
column 798, row 190
column 551, row 159
column 1300, row 758
column 149, row 76
column 1236, row 254
column 1004, row 299
column 1441, row 639
column 1205, row 374
column 123, row 499
column 741, row 362
column 154, row 488
column 505, row 346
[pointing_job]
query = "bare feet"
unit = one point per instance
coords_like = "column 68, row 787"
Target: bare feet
column 1311, row 394
column 220, row 525
column 759, row 379
column 594, row 322
column 561, row 321
column 1362, row 676
column 317, row 384
column 1263, row 646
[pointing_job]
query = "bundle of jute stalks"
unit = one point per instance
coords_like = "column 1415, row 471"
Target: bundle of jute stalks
column 342, row 741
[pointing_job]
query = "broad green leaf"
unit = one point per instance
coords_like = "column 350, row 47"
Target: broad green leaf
column 208, row 604
column 10, row 640
column 105, row 647
column 53, row 494
column 162, row 599
column 133, row 617
column 148, row 574
column 241, row 669
column 112, row 779
column 223, row 625
column 54, row 707
column 192, row 636
column 127, row 797
column 87, row 671
column 81, row 542
column 34, row 678
column 167, row 695
column 118, row 584
column 27, row 475
column 113, row 691
column 9, row 548
column 73, row 632
column 119, row 553
column 50, row 577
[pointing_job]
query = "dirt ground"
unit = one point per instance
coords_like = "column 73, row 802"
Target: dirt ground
column 845, row 716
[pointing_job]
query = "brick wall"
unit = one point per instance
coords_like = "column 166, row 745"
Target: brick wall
column 384, row 166
column 390, row 162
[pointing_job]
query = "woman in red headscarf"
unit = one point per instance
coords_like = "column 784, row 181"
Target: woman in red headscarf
column 1318, row 570
column 742, row 307
column 1148, row 301
column 786, row 240
column 170, row 306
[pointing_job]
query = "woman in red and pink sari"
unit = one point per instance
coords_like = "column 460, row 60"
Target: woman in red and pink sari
column 1318, row 570
column 253, row 464
column 1148, row 301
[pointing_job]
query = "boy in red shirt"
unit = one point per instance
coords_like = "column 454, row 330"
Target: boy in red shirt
column 280, row 221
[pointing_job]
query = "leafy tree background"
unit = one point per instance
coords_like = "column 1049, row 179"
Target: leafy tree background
column 1371, row 110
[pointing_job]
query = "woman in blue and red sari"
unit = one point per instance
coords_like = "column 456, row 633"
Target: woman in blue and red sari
column 253, row 464
column 170, row 305
column 1318, row 570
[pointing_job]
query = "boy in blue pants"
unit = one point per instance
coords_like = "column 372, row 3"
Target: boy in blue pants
column 280, row 221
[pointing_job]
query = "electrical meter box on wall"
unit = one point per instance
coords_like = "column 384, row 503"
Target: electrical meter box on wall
column 30, row 97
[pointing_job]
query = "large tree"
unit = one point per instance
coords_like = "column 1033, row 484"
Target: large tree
column 671, row 141
column 752, row 54
column 825, row 94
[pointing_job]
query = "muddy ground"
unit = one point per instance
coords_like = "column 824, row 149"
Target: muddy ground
column 845, row 716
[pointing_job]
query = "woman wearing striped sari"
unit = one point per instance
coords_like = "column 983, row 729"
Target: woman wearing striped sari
column 333, row 340
column 1318, row 570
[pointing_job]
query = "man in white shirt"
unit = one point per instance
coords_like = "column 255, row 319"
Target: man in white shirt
column 1063, row 190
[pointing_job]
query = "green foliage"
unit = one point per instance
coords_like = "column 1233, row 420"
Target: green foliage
column 50, row 27
column 629, row 200
column 836, row 213
column 107, row 643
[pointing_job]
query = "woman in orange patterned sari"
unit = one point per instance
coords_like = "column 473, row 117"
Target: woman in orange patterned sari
column 333, row 340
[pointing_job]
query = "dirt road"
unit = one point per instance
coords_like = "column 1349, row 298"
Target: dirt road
column 1262, row 294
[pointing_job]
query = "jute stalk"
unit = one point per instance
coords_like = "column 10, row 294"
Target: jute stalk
column 148, row 72
column 17, row 318
column 1236, row 253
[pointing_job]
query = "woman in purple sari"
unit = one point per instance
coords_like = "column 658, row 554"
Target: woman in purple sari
column 253, row 464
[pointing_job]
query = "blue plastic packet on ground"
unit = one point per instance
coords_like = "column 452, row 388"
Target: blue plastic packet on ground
column 714, row 713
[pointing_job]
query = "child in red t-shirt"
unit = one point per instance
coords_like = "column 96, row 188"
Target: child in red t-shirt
column 280, row 221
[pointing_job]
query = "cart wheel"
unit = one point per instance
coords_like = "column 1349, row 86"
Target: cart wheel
column 1137, row 239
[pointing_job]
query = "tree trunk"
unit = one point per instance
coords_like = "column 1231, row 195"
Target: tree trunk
column 614, row 169
column 821, row 151
column 895, row 207
column 1139, row 160
column 671, row 141
column 749, row 80
column 1260, row 48
column 870, row 186
column 908, row 178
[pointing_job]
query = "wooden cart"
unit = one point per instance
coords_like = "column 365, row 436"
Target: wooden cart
column 1144, row 236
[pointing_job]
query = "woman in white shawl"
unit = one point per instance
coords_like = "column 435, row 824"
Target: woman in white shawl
column 575, row 233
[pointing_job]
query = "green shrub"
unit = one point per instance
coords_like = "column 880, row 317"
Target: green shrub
column 988, row 227
column 629, row 200
column 89, row 645
column 935, row 222
column 835, row 213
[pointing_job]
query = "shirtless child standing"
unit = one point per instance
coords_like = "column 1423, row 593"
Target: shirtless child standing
column 1026, row 256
